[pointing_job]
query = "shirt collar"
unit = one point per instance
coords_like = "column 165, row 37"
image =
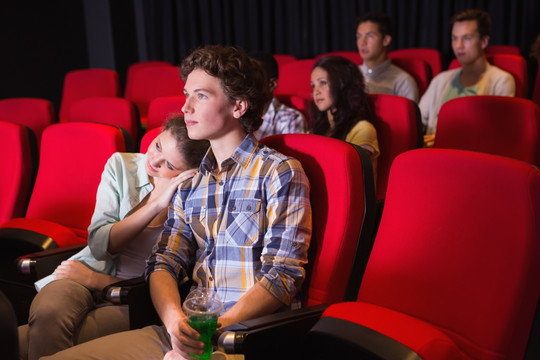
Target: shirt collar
column 382, row 67
column 142, row 178
column 241, row 155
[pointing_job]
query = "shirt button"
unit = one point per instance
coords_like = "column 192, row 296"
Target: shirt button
column 221, row 183
column 233, row 208
column 249, row 207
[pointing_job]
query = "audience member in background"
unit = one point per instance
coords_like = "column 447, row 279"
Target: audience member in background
column 241, row 225
column 278, row 118
column 131, row 207
column 373, row 36
column 471, row 30
column 341, row 108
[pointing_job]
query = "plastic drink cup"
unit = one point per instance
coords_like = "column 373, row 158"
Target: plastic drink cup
column 203, row 308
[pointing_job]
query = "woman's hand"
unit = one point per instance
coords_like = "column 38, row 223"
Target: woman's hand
column 74, row 270
column 164, row 189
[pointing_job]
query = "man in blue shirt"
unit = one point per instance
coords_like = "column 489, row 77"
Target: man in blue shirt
column 242, row 223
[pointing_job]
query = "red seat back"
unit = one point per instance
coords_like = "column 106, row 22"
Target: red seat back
column 295, row 78
column 34, row 113
column 81, row 84
column 398, row 130
column 147, row 83
column 418, row 69
column 514, row 64
column 503, row 49
column 432, row 56
column 72, row 159
column 457, row 248
column 110, row 111
column 148, row 137
column 497, row 125
column 18, row 159
column 283, row 59
column 354, row 56
column 343, row 208
column 163, row 108
column 536, row 90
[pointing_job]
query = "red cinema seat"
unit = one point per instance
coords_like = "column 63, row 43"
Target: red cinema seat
column 34, row 113
column 454, row 270
column 71, row 162
column 148, row 137
column 295, row 78
column 399, row 129
column 18, row 159
column 418, row 69
column 354, row 56
column 84, row 83
column 503, row 49
column 147, row 83
column 498, row 125
column 432, row 56
column 163, row 108
column 117, row 112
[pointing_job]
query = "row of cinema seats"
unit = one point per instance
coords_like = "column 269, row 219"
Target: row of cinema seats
column 449, row 274
column 338, row 208
column 498, row 125
column 422, row 63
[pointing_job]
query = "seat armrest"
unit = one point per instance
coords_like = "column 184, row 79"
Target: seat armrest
column 135, row 293
column 43, row 263
column 269, row 336
column 333, row 338
column 118, row 293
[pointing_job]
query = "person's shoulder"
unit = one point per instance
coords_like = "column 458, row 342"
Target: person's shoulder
column 496, row 71
column 287, row 111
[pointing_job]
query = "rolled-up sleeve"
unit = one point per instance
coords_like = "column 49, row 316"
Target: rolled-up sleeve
column 174, row 252
column 289, row 231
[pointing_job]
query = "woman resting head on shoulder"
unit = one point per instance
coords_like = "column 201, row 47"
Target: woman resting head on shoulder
column 131, row 206
column 341, row 108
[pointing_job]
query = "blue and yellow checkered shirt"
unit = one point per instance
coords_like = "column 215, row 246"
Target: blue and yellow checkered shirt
column 248, row 222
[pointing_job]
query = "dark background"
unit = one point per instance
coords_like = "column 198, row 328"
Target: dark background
column 42, row 40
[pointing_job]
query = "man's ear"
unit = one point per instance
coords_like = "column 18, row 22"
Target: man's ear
column 387, row 39
column 240, row 108
column 484, row 42
column 273, row 84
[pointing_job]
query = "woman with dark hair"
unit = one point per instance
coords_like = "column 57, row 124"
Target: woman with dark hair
column 341, row 108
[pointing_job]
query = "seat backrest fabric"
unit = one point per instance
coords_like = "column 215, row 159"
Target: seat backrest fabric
column 496, row 125
column 150, row 82
column 18, row 159
column 432, row 56
column 458, row 247
column 418, row 69
column 295, row 78
column 163, row 108
column 72, row 159
column 340, row 213
column 34, row 113
column 84, row 83
column 110, row 111
column 398, row 130
column 354, row 56
column 148, row 137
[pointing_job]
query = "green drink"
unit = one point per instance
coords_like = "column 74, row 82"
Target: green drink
column 205, row 326
column 203, row 308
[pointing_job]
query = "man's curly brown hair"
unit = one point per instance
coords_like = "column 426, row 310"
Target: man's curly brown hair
column 242, row 78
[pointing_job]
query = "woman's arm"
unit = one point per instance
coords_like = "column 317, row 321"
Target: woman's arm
column 143, row 214
column 76, row 271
